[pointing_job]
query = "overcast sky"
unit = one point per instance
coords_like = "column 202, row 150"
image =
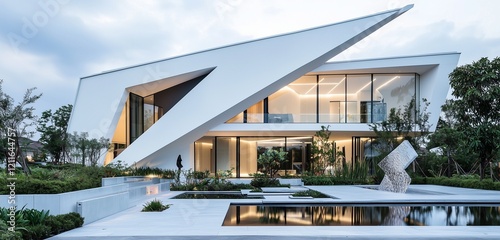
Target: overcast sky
column 51, row 44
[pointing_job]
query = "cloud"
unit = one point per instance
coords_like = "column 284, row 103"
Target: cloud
column 80, row 38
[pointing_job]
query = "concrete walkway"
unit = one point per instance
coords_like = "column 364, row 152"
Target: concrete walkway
column 202, row 219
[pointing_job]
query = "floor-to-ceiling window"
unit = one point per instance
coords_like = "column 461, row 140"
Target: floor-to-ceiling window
column 241, row 153
column 225, row 153
column 136, row 124
column 339, row 98
column 149, row 112
column 358, row 95
column 299, row 154
column 143, row 113
column 295, row 102
column 393, row 91
column 332, row 103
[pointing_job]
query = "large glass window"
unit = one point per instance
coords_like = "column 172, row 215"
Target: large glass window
column 143, row 114
column 351, row 98
column 204, row 154
column 149, row 112
column 282, row 105
column 391, row 91
column 223, row 153
column 226, row 153
column 248, row 156
column 136, row 113
column 254, row 114
column 306, row 88
column 358, row 95
column 332, row 98
column 299, row 154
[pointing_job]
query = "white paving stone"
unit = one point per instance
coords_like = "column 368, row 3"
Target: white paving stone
column 202, row 219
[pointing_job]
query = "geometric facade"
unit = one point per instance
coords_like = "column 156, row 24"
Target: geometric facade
column 220, row 107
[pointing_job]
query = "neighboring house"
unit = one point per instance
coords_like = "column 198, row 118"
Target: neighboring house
column 218, row 108
column 30, row 149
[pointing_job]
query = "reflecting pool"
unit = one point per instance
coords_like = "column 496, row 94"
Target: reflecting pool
column 358, row 215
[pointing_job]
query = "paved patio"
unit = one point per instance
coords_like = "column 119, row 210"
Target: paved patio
column 202, row 219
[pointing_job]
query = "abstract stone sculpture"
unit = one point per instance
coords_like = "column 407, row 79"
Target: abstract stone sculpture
column 396, row 179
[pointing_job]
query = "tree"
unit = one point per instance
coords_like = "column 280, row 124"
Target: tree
column 476, row 107
column 408, row 123
column 271, row 160
column 15, row 122
column 323, row 150
column 447, row 137
column 52, row 127
column 85, row 149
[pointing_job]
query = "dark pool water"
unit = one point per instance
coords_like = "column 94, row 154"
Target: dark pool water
column 335, row 215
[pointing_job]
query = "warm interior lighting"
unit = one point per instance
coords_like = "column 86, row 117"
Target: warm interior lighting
column 368, row 84
column 336, row 86
column 152, row 176
column 392, row 79
column 313, row 86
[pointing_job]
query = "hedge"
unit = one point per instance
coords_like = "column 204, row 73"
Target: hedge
column 486, row 184
column 331, row 180
column 37, row 186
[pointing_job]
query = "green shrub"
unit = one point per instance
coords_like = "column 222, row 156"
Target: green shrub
column 63, row 222
column 259, row 182
column 37, row 232
column 459, row 181
column 35, row 224
column 209, row 185
column 55, row 224
column 57, row 180
column 310, row 193
column 73, row 220
column 317, row 180
column 145, row 171
column 35, row 217
column 9, row 235
column 19, row 217
column 331, row 180
column 201, row 175
column 155, row 206
column 169, row 174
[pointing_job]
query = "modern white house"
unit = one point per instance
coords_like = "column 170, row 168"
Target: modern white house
column 219, row 108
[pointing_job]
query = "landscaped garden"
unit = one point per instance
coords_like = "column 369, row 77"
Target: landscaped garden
column 35, row 224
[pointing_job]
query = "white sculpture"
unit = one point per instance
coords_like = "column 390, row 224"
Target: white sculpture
column 396, row 179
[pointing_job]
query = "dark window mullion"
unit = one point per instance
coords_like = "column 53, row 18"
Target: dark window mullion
column 266, row 110
column 345, row 99
column 317, row 98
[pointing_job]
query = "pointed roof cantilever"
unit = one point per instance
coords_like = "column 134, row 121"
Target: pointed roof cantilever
column 242, row 74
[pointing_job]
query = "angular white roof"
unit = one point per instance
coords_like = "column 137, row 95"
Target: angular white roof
column 238, row 76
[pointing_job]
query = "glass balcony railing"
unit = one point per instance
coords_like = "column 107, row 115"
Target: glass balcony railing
column 286, row 118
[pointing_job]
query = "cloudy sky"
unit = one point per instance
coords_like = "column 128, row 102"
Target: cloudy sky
column 51, row 44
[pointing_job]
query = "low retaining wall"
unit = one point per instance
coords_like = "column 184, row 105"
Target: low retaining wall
column 63, row 202
column 97, row 208
column 93, row 204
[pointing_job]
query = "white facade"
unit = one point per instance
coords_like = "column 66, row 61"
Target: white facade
column 198, row 95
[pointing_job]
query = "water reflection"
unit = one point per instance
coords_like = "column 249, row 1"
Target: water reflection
column 262, row 215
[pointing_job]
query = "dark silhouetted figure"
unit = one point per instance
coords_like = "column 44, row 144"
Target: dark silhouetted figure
column 179, row 160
